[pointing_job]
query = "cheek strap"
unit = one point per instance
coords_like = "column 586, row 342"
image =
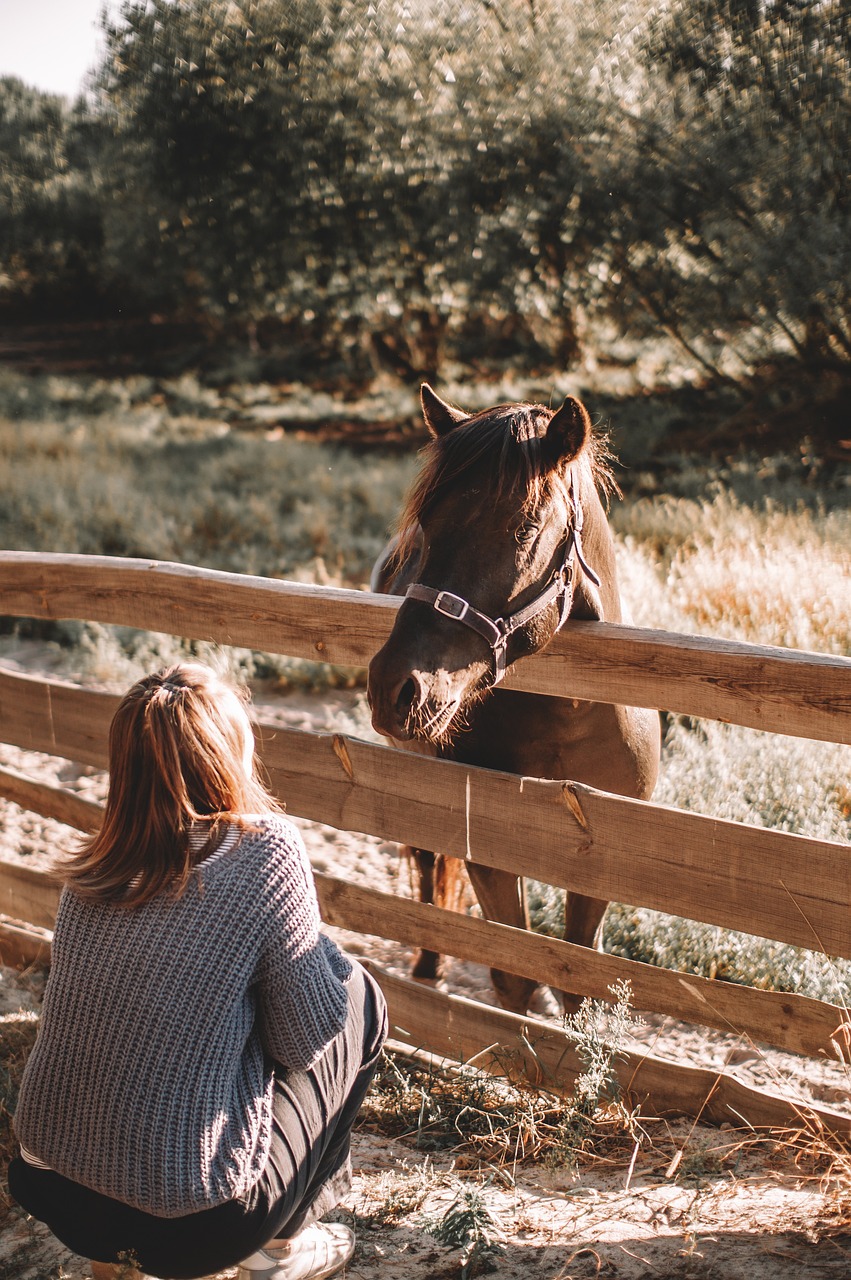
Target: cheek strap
column 496, row 631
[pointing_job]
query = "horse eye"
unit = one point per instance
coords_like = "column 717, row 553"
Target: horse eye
column 526, row 533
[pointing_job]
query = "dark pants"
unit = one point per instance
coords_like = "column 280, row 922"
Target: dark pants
column 308, row 1171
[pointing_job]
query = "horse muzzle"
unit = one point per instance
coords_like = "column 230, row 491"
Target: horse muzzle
column 409, row 704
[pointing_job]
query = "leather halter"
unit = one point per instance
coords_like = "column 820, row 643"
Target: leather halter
column 498, row 630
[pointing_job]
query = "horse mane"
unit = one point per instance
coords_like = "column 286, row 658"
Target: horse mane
column 504, row 444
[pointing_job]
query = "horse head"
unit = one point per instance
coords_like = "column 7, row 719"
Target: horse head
column 495, row 549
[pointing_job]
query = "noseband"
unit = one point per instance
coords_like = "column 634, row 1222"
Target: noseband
column 498, row 630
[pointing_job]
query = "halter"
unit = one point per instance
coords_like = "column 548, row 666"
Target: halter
column 498, row 630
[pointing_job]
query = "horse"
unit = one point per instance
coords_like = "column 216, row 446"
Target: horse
column 502, row 541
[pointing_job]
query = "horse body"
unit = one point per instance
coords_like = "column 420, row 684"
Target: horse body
column 504, row 538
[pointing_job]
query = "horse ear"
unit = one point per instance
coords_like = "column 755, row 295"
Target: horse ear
column 567, row 433
column 440, row 417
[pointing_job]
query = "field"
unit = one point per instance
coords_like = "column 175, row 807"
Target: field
column 294, row 483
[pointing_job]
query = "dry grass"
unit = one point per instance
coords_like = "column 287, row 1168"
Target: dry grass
column 494, row 1129
column 486, row 1122
column 761, row 573
column 261, row 504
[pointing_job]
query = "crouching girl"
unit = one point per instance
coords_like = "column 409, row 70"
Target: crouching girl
column 204, row 1048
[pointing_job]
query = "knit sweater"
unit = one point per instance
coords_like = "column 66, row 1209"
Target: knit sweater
column 151, row 1078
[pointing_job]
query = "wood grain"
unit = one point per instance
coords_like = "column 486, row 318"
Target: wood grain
column 780, row 690
column 28, row 894
column 51, row 802
column 786, row 1021
column 524, row 1048
column 23, row 945
column 64, row 720
column 789, row 691
column 768, row 883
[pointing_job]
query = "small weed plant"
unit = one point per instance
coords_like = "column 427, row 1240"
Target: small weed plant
column 600, row 1030
column 469, row 1226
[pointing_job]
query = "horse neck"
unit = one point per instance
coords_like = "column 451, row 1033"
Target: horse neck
column 598, row 547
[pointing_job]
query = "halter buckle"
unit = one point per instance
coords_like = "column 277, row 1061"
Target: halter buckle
column 451, row 606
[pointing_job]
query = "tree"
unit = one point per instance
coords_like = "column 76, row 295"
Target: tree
column 50, row 226
column 372, row 171
column 730, row 219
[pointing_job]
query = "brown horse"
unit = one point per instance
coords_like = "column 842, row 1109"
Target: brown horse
column 503, row 539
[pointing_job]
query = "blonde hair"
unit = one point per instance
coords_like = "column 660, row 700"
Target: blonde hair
column 177, row 758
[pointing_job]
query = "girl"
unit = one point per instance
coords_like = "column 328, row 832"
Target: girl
column 203, row 1049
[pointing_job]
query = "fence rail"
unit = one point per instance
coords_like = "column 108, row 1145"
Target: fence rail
column 789, row 888
column 780, row 690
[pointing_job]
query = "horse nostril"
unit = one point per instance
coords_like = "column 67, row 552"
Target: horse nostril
column 408, row 697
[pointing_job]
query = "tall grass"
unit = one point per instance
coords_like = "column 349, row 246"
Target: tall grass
column 761, row 571
column 279, row 507
column 769, row 564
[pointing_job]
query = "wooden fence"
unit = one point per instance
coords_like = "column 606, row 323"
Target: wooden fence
column 789, row 888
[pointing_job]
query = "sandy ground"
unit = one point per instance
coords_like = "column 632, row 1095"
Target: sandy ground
column 728, row 1206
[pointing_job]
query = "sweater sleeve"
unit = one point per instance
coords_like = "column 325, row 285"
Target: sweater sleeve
column 302, row 997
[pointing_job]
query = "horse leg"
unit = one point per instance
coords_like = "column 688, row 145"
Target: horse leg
column 427, row 964
column 583, row 919
column 502, row 898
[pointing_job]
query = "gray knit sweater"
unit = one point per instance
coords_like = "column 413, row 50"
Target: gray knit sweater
column 151, row 1077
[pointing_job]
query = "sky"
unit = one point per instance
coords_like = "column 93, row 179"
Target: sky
column 50, row 44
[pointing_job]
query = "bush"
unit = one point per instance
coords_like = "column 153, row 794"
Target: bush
column 364, row 169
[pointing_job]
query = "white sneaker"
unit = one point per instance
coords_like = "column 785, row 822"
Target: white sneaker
column 317, row 1251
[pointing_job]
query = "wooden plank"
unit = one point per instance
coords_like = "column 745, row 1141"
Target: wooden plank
column 524, row 1048
column 787, row 691
column 29, row 894
column 770, row 883
column 781, row 690
column 787, row 1021
column 330, row 625
column 49, row 801
column 23, row 945
column 58, row 719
